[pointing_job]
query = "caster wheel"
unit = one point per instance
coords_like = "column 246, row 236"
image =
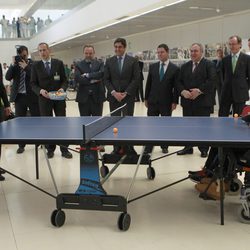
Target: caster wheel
column 57, row 218
column 104, row 170
column 242, row 216
column 124, row 221
column 150, row 173
column 235, row 187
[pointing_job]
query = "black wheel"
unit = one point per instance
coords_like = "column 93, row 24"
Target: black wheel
column 104, row 170
column 150, row 173
column 124, row 221
column 57, row 218
column 235, row 187
column 242, row 216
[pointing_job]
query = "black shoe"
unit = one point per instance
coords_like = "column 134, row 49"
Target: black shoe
column 20, row 150
column 203, row 154
column 186, row 151
column 197, row 176
column 164, row 150
column 67, row 155
column 2, row 178
column 50, row 154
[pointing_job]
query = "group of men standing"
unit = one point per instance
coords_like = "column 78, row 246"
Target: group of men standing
column 194, row 82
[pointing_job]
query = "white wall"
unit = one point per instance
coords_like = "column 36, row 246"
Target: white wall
column 8, row 50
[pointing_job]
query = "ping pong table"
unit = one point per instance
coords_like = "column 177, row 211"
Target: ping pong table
column 89, row 132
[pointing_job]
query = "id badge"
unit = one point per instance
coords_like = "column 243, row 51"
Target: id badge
column 56, row 77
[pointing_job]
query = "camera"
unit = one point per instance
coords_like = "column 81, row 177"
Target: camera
column 18, row 59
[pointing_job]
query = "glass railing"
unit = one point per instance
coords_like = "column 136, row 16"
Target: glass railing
column 37, row 18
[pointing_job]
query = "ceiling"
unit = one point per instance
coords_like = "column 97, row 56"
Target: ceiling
column 188, row 11
column 173, row 15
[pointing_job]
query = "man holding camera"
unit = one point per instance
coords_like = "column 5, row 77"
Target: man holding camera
column 21, row 93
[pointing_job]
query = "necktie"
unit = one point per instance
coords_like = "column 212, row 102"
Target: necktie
column 22, row 88
column 120, row 63
column 194, row 66
column 234, row 61
column 162, row 71
column 47, row 67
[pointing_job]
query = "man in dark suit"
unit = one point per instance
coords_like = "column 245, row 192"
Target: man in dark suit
column 196, row 87
column 48, row 75
column 139, row 91
column 89, row 74
column 4, row 109
column 21, row 93
column 161, row 96
column 236, row 79
column 121, row 77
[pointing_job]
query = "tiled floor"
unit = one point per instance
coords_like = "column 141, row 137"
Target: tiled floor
column 174, row 218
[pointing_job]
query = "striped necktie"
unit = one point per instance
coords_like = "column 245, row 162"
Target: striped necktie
column 22, row 88
column 47, row 67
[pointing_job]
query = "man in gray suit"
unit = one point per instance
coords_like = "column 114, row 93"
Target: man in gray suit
column 121, row 77
column 91, row 93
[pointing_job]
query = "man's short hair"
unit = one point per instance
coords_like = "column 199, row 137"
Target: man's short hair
column 43, row 43
column 163, row 46
column 239, row 40
column 199, row 45
column 122, row 41
column 88, row 46
column 248, row 39
column 21, row 49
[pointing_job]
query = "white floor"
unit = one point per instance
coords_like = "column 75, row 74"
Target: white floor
column 174, row 218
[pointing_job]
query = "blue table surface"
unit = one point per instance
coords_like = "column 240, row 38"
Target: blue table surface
column 136, row 130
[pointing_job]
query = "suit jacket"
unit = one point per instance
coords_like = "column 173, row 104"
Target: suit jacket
column 40, row 79
column 162, row 92
column 203, row 78
column 236, row 85
column 91, row 85
column 3, row 94
column 14, row 73
column 126, row 81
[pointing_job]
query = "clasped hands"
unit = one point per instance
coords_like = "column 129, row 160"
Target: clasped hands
column 119, row 96
column 191, row 94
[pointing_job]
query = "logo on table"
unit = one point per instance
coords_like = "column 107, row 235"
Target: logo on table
column 89, row 158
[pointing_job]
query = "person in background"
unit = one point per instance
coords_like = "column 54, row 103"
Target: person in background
column 48, row 75
column 161, row 96
column 236, row 78
column 196, row 88
column 21, row 93
column 91, row 92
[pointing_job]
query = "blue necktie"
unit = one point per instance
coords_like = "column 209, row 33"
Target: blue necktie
column 22, row 88
column 162, row 71
column 120, row 63
column 47, row 67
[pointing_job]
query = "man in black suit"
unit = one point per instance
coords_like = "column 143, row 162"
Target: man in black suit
column 236, row 79
column 161, row 96
column 196, row 87
column 48, row 75
column 121, row 77
column 21, row 93
column 139, row 91
column 91, row 93
column 4, row 109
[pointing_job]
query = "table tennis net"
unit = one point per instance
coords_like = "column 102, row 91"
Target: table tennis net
column 94, row 128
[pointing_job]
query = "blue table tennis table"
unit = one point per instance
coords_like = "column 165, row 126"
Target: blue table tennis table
column 90, row 132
